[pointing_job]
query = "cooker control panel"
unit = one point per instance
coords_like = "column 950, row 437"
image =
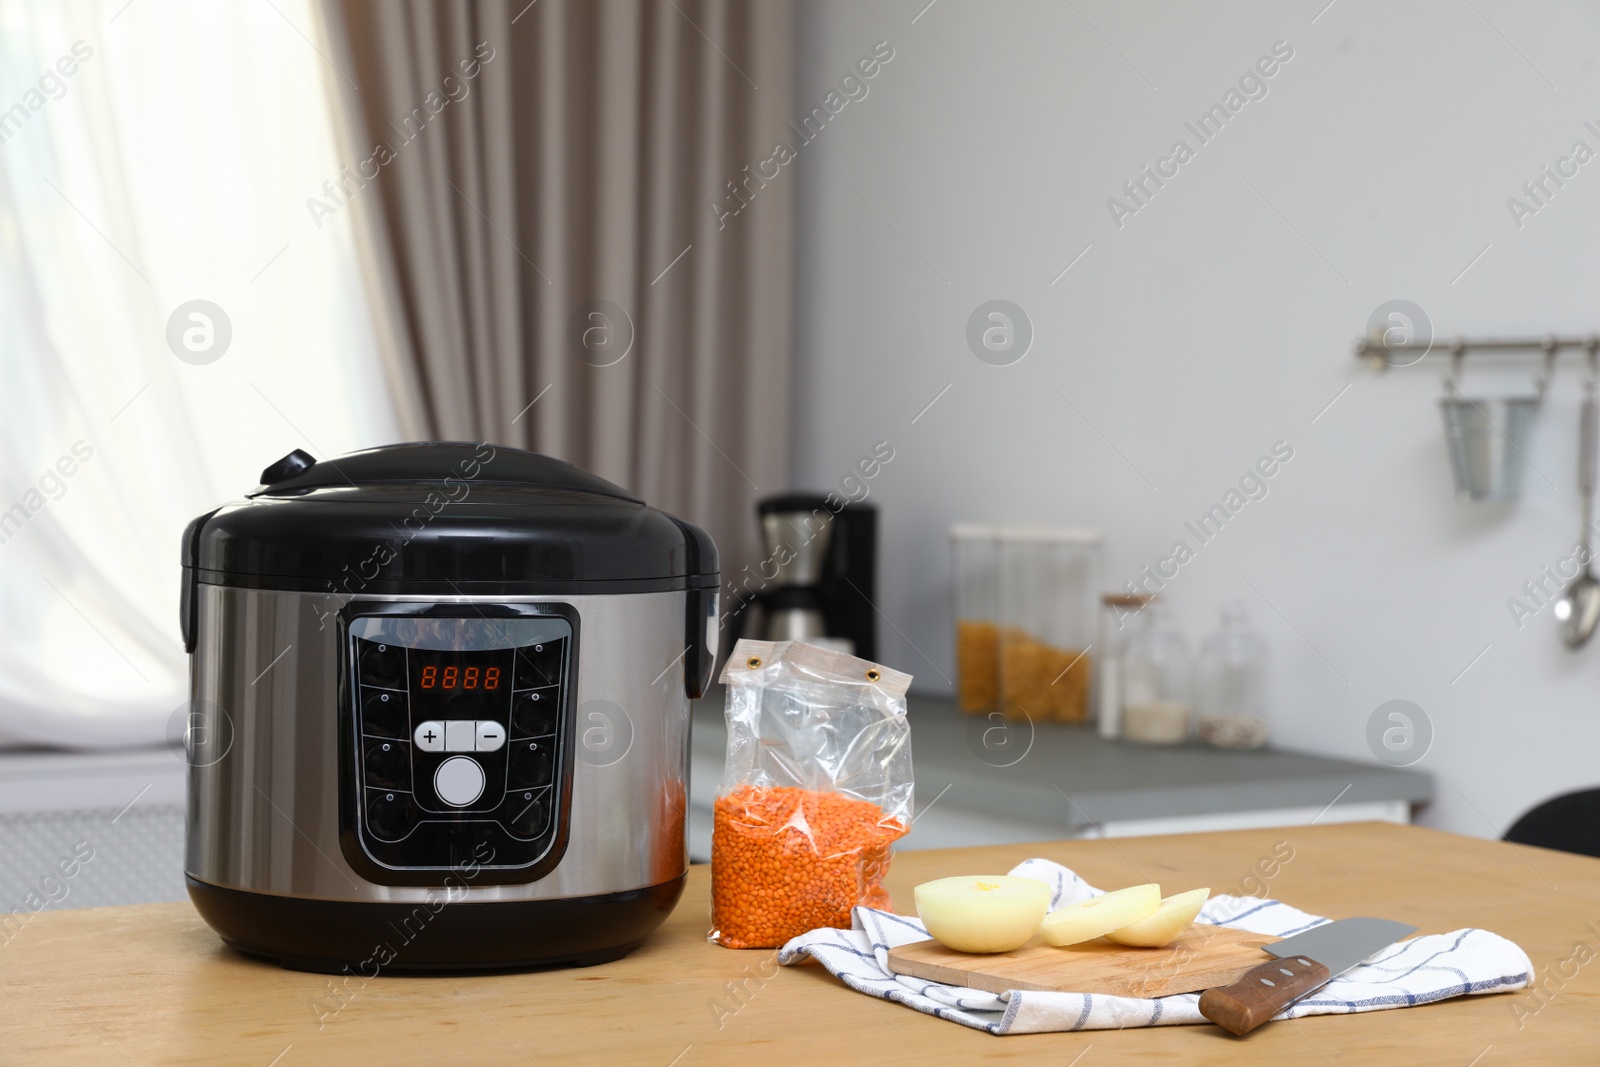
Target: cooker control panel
column 459, row 728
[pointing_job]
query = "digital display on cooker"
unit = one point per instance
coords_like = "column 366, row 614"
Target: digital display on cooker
column 446, row 685
column 454, row 674
column 459, row 730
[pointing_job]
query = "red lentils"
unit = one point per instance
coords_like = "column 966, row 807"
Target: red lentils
column 786, row 860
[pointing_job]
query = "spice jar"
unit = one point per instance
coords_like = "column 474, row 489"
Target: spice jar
column 1047, row 583
column 1230, row 697
column 1155, row 681
column 1117, row 614
column 977, row 589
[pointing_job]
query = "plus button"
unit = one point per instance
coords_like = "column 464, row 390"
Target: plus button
column 430, row 736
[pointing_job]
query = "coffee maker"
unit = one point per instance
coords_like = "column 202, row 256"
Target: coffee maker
column 818, row 575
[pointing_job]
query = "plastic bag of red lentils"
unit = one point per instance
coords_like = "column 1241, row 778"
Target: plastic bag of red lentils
column 816, row 789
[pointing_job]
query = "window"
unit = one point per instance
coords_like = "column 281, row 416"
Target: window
column 172, row 319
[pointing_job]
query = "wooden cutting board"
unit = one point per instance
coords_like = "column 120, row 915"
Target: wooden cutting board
column 1203, row 957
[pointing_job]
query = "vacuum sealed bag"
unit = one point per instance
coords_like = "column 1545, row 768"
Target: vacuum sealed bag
column 816, row 789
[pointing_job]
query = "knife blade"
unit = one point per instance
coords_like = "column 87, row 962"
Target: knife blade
column 1299, row 966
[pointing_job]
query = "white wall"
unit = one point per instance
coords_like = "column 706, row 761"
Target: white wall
column 1207, row 328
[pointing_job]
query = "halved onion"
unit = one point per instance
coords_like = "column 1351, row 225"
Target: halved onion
column 1098, row 916
column 982, row 913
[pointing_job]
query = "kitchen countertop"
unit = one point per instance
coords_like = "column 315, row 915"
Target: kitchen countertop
column 1066, row 776
column 151, row 984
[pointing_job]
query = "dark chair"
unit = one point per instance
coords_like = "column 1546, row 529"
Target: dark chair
column 1570, row 822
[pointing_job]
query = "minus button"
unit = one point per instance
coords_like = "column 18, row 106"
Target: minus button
column 491, row 735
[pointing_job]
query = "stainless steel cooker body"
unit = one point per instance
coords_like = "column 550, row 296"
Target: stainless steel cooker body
column 275, row 761
column 440, row 710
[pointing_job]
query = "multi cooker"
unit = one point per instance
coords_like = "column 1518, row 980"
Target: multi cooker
column 439, row 712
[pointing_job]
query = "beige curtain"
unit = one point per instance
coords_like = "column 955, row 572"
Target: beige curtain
column 534, row 183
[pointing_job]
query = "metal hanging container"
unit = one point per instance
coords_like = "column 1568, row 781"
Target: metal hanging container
column 1488, row 436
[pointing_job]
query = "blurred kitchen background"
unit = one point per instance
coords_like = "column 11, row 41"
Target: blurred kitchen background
column 790, row 252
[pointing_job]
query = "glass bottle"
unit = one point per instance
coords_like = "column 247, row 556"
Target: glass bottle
column 1231, row 697
column 1155, row 681
column 1118, row 615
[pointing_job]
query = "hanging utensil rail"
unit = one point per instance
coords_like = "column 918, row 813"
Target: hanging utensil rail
column 1377, row 351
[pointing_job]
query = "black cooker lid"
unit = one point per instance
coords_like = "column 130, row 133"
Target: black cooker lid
column 442, row 517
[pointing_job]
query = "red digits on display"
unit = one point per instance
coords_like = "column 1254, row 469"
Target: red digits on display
column 466, row 677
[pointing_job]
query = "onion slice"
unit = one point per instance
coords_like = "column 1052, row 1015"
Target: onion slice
column 1098, row 916
column 1162, row 928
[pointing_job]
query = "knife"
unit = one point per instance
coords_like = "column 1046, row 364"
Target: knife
column 1300, row 965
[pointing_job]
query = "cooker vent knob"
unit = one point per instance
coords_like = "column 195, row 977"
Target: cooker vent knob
column 296, row 462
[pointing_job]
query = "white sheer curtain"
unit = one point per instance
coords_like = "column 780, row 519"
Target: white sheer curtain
column 167, row 158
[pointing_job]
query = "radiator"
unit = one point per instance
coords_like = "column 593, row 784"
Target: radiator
column 86, row 830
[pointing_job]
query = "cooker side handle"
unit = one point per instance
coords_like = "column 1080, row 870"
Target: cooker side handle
column 189, row 595
column 700, row 644
column 701, row 627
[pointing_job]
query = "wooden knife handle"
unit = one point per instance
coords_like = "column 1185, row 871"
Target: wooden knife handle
column 1263, row 992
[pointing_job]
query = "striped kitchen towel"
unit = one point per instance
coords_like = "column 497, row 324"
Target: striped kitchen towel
column 1418, row 971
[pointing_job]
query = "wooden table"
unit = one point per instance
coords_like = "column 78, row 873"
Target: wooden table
column 151, row 984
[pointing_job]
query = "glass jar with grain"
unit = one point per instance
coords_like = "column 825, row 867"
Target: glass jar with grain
column 1230, row 692
column 1048, row 578
column 977, row 593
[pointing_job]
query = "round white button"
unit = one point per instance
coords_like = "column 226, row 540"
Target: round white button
column 458, row 781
